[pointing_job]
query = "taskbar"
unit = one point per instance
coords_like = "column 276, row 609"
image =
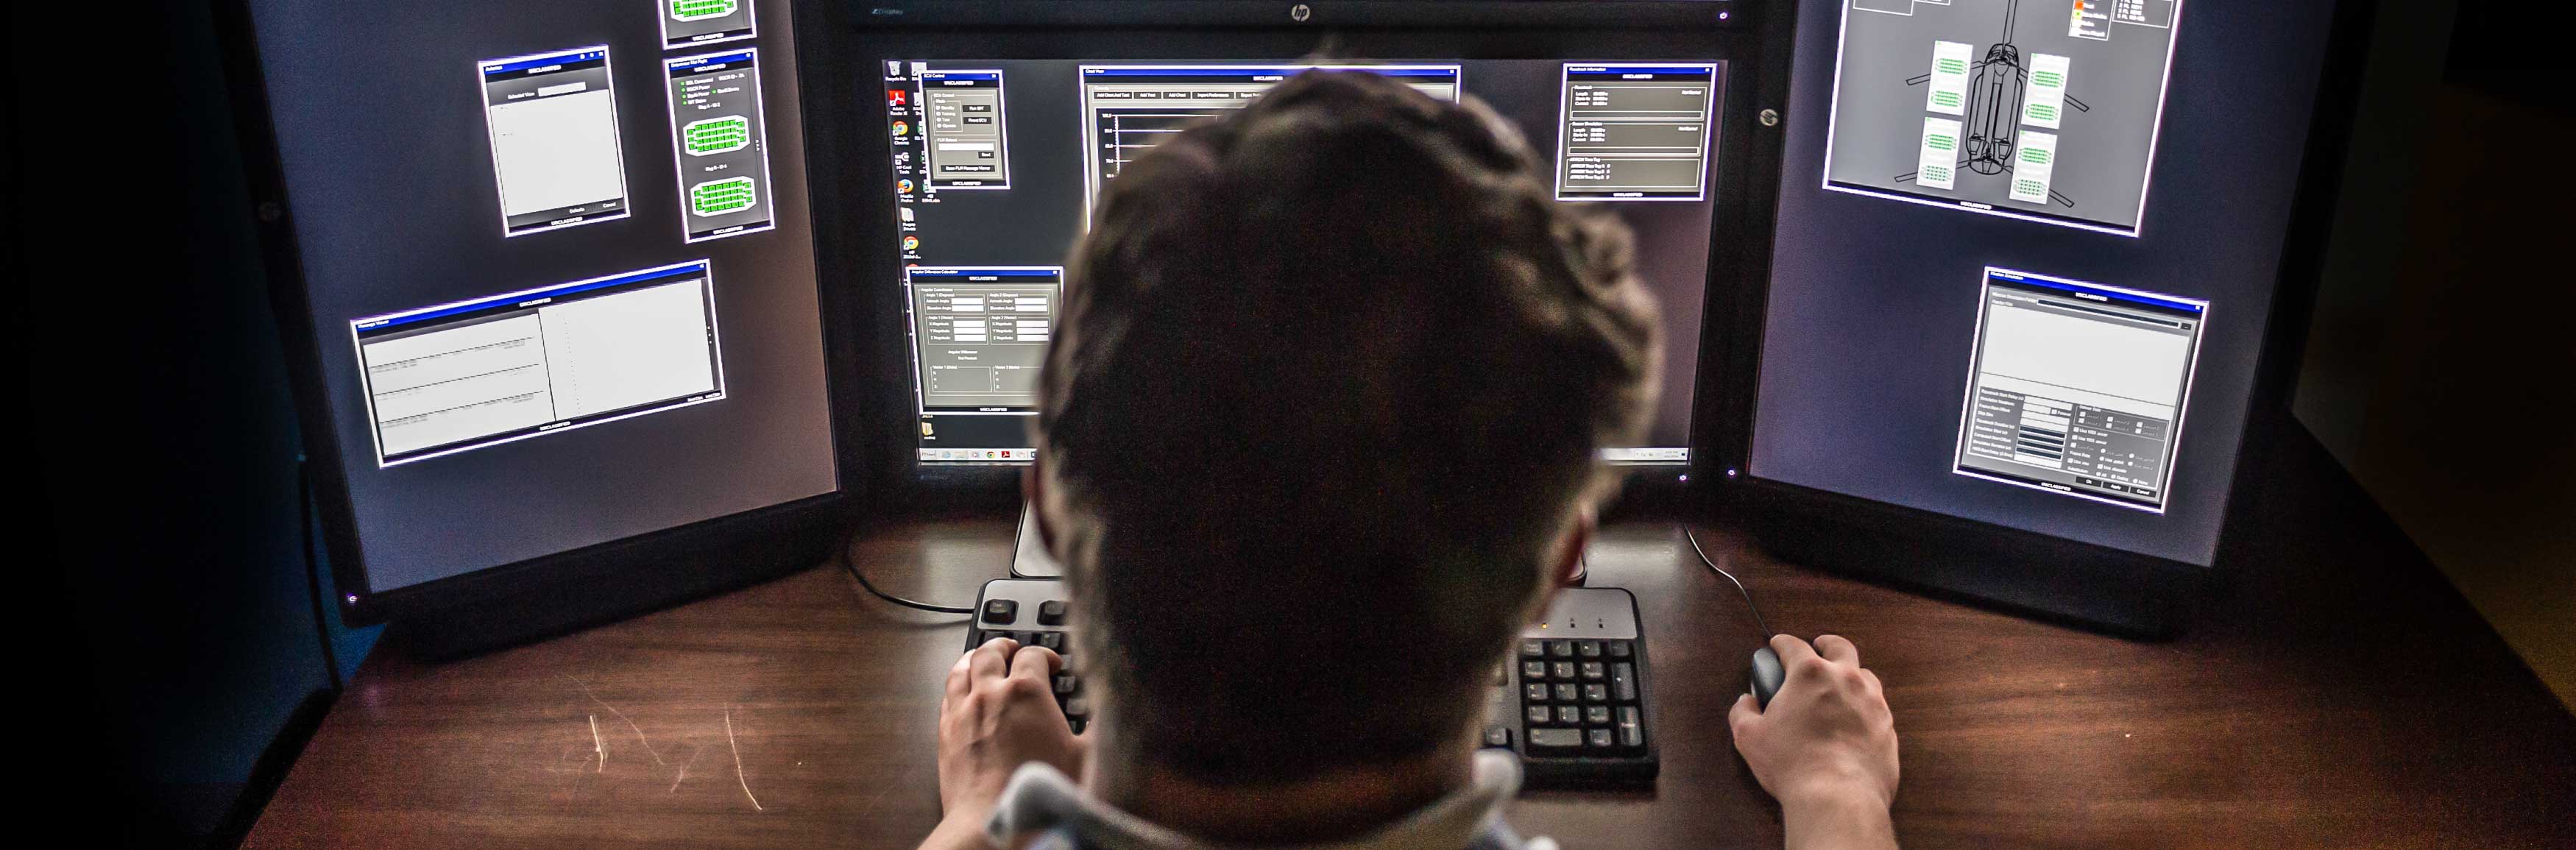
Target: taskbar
column 979, row 454
column 1646, row 455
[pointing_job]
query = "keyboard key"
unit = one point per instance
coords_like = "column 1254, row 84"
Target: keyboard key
column 1078, row 708
column 1051, row 612
column 1598, row 739
column 1587, row 648
column 1067, row 685
column 1618, row 649
column 1003, row 612
column 1595, row 693
column 1533, row 649
column 1596, row 715
column 1052, row 640
column 1543, row 740
column 1539, row 715
column 1623, row 682
column 1632, row 732
column 1497, row 736
column 1568, row 715
column 1565, row 693
column 1594, row 670
column 1561, row 670
column 1534, row 670
column 1560, row 648
column 1534, row 692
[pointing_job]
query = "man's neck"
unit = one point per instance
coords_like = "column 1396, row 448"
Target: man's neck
column 1338, row 805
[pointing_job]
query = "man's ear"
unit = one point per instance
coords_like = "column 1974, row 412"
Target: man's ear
column 1569, row 555
column 1567, row 568
column 1033, row 494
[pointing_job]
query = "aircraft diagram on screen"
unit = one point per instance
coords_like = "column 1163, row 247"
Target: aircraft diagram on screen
column 1972, row 104
column 2002, row 91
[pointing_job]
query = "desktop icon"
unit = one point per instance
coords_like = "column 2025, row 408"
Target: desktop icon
column 903, row 186
column 912, row 243
column 894, row 68
column 905, row 213
column 901, row 128
column 894, row 97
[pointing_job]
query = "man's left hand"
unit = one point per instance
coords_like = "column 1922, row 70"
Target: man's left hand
column 999, row 712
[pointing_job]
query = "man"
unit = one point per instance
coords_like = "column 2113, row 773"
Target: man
column 1318, row 434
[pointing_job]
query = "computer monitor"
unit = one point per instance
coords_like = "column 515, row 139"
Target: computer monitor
column 2026, row 261
column 995, row 163
column 547, row 276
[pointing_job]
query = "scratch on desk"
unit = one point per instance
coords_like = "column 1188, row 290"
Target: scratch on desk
column 598, row 744
column 684, row 767
column 882, row 791
column 737, row 762
column 558, row 767
column 630, row 722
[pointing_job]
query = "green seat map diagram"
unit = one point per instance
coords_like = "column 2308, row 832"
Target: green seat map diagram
column 691, row 10
column 716, row 135
column 717, row 197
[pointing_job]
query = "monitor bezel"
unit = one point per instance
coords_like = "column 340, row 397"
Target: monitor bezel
column 851, row 222
column 540, row 596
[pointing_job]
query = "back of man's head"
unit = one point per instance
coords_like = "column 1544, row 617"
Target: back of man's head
column 1333, row 379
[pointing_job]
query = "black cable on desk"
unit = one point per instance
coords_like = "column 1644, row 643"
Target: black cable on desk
column 842, row 552
column 1730, row 577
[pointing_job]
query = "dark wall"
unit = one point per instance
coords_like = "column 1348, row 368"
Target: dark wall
column 2496, row 49
column 2440, row 321
column 174, row 627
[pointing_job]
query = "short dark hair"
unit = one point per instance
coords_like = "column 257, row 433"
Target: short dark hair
column 1335, row 371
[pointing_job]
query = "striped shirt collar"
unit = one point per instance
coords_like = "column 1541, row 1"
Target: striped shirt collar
column 1045, row 808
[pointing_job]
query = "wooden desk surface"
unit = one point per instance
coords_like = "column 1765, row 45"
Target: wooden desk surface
column 2339, row 695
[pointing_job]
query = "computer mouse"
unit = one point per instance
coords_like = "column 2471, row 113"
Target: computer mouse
column 1767, row 675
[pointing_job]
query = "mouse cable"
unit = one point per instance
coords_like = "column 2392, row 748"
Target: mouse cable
column 1687, row 534
column 842, row 553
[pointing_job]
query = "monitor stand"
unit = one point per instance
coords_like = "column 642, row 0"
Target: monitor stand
column 1029, row 559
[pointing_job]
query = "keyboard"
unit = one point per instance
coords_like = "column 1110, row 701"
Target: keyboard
column 1571, row 701
column 1031, row 611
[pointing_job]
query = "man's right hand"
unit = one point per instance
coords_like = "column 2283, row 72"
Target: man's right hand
column 1825, row 747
